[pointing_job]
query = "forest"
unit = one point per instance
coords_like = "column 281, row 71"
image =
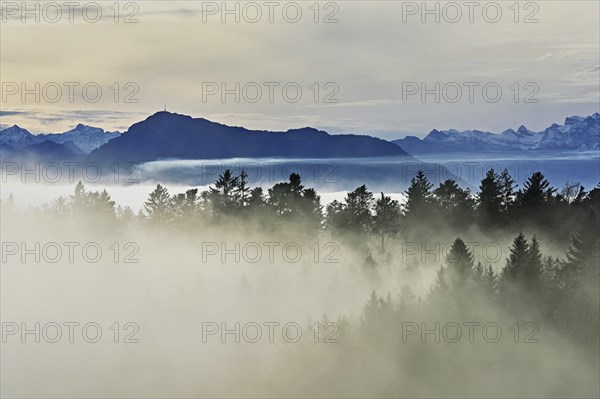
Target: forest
column 544, row 290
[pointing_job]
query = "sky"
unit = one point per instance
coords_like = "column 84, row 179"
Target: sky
column 383, row 68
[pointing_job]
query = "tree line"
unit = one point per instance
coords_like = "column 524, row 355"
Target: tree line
column 563, row 291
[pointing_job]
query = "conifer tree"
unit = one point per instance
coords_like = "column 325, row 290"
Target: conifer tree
column 243, row 190
column 356, row 213
column 459, row 263
column 386, row 220
column 223, row 196
column 157, row 206
column 418, row 194
column 508, row 186
column 489, row 199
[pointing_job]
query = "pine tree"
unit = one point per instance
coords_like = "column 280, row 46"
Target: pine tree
column 418, row 194
column 418, row 207
column 515, row 264
column 256, row 200
column 490, row 281
column 533, row 279
column 334, row 217
column 243, row 191
column 356, row 213
column 508, row 186
column 96, row 206
column 311, row 209
column 386, row 220
column 455, row 204
column 79, row 199
column 284, row 198
column 579, row 303
column 371, row 312
column 450, row 196
column 536, row 192
column 224, row 195
column 459, row 263
column 406, row 299
column 521, row 282
column 489, row 199
column 533, row 268
column 158, row 205
column 583, row 256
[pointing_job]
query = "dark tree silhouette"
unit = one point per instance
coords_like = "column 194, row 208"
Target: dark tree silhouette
column 386, row 220
column 490, row 199
column 455, row 204
column 223, row 197
column 158, row 205
column 356, row 214
column 536, row 193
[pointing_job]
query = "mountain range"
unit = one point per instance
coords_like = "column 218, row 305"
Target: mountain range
column 16, row 142
column 166, row 135
column 576, row 134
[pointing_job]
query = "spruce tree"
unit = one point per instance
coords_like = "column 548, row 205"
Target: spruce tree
column 459, row 263
column 515, row 264
column 223, row 196
column 536, row 192
column 508, row 186
column 242, row 189
column 356, row 213
column 489, row 199
column 158, row 205
column 418, row 194
column 418, row 207
column 386, row 220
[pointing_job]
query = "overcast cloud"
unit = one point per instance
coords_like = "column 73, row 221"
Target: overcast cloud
column 366, row 62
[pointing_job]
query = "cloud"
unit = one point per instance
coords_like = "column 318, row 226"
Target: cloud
column 40, row 120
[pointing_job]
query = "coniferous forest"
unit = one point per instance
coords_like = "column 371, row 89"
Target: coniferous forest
column 446, row 293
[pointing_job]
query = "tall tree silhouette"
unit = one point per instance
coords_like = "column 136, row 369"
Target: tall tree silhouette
column 284, row 198
column 158, row 205
column 515, row 264
column 357, row 210
column 386, row 220
column 418, row 204
column 454, row 203
column 507, row 188
column 490, row 198
column 223, row 196
column 243, row 190
column 536, row 193
column 459, row 261
column 577, row 297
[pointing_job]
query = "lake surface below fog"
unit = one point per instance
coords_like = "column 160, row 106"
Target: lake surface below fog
column 331, row 177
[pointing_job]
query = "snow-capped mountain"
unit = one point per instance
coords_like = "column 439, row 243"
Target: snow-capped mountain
column 88, row 138
column 16, row 137
column 576, row 134
column 82, row 138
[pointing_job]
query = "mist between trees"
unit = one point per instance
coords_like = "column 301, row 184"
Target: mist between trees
column 381, row 301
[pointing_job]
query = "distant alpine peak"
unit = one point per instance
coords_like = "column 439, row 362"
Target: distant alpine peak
column 84, row 128
column 82, row 138
column 14, row 128
column 576, row 134
column 523, row 131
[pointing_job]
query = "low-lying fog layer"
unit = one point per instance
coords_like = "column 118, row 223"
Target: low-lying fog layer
column 239, row 293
